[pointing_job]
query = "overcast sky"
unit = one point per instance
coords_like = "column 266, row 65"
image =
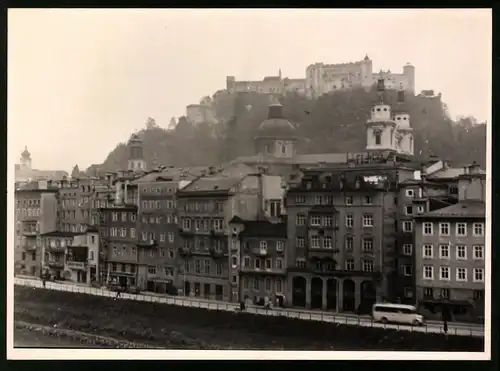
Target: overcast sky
column 80, row 81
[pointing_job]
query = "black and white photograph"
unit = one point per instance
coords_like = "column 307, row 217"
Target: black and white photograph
column 249, row 183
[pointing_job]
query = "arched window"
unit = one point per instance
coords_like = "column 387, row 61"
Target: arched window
column 283, row 149
column 378, row 139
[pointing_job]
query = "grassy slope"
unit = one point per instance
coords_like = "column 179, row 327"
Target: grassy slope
column 180, row 327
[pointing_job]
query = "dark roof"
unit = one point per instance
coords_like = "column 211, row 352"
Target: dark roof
column 264, row 228
column 276, row 127
column 62, row 234
column 463, row 209
column 236, row 220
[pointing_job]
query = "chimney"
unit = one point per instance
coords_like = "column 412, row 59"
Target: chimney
column 275, row 111
column 474, row 168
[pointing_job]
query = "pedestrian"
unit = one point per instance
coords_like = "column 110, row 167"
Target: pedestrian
column 242, row 305
column 44, row 281
column 445, row 327
column 118, row 291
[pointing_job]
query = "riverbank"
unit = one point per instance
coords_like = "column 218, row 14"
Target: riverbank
column 171, row 327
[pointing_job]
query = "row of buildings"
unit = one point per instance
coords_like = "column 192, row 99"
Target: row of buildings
column 328, row 231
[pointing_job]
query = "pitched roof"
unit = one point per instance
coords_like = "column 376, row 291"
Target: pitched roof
column 463, row 209
column 206, row 184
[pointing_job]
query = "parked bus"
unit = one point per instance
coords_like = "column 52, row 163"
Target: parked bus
column 396, row 313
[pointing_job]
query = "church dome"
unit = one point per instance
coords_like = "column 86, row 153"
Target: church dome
column 25, row 153
column 135, row 139
column 276, row 124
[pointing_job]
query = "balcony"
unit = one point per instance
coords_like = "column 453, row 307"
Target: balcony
column 30, row 247
column 56, row 249
column 260, row 252
column 263, row 271
column 76, row 265
column 55, row 264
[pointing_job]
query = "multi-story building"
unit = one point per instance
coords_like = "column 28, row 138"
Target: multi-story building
column 72, row 256
column 35, row 214
column 261, row 252
column 205, row 207
column 157, row 221
column 450, row 251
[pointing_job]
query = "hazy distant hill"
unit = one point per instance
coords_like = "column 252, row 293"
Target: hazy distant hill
column 333, row 123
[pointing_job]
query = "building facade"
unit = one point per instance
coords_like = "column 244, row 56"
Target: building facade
column 35, row 214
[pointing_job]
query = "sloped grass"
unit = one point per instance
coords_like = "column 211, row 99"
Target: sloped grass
column 170, row 326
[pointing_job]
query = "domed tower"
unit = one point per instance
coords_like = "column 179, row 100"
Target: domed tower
column 404, row 134
column 380, row 129
column 276, row 135
column 26, row 159
column 136, row 156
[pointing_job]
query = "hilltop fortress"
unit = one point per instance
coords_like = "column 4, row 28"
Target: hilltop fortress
column 320, row 79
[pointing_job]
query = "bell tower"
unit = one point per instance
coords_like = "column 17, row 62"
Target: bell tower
column 136, row 160
column 26, row 159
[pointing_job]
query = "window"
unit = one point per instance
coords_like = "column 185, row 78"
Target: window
column 246, row 262
column 256, row 285
column 378, row 138
column 315, row 242
column 428, row 292
column 301, row 242
column 218, row 224
column 124, row 232
column 170, row 237
column 367, row 266
column 218, row 269
column 329, row 200
column 132, row 217
column 301, row 219
column 407, row 226
column 257, row 263
column 318, row 200
column 245, row 283
column 91, row 255
column 410, row 193
column 316, row 220
column 279, row 285
column 348, row 200
column 349, row 243
column 162, row 237
column 461, row 274
column 478, row 252
column 170, row 253
column 444, row 273
column 300, row 263
column 197, row 266
column 300, row 199
column 114, row 217
column 367, row 244
column 280, row 246
column 124, row 217
column 268, row 264
column 267, row 284
column 328, row 221
column 407, row 270
column 186, row 223
column 461, row 229
column 428, row 251
column 151, row 270
column 162, row 252
column 133, row 250
column 461, row 252
column 478, row 294
column 279, row 263
column 478, row 230
column 263, row 245
column 327, row 242
column 409, row 210
column 367, row 200
column 408, row 292
column 444, row 229
column 349, row 221
column 368, row 220
column 444, row 251
column 349, row 265
column 234, row 261
column 478, row 275
column 445, row 293
column 407, row 249
column 428, row 272
column 275, row 206
column 420, row 209
column 428, row 229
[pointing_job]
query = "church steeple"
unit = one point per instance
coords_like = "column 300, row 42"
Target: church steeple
column 26, row 158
